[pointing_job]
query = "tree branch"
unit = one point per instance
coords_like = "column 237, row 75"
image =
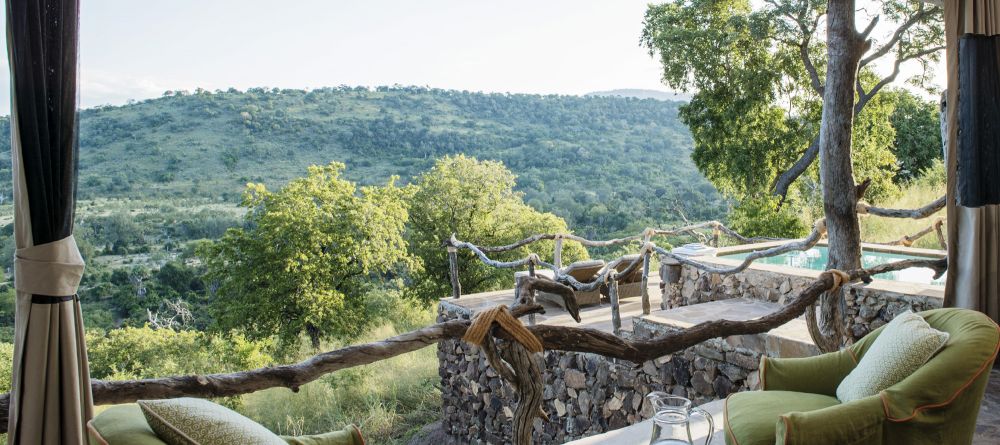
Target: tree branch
column 786, row 178
column 898, row 35
column 920, row 213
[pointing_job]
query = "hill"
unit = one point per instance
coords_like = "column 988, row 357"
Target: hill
column 605, row 164
column 644, row 94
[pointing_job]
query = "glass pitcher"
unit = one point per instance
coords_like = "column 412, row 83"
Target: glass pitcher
column 672, row 420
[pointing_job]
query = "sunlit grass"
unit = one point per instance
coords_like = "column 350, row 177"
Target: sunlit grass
column 388, row 400
column 918, row 193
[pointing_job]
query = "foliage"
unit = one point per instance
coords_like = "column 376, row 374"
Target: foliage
column 757, row 69
column 918, row 133
column 476, row 201
column 6, row 366
column 764, row 217
column 305, row 257
column 144, row 352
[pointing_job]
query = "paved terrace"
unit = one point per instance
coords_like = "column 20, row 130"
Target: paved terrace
column 789, row 340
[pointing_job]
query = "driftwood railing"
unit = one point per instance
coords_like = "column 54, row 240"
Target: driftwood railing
column 609, row 276
column 564, row 338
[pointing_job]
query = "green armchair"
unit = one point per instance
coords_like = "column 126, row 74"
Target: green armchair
column 937, row 404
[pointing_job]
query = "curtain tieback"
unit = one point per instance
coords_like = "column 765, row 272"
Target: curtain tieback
column 49, row 269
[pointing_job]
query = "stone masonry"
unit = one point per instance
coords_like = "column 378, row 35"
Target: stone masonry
column 585, row 394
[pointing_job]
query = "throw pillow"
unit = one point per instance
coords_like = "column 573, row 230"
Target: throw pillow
column 188, row 421
column 904, row 345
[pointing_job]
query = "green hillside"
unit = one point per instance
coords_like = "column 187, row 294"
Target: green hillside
column 606, row 164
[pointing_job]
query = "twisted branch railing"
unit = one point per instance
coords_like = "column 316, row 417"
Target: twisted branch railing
column 563, row 338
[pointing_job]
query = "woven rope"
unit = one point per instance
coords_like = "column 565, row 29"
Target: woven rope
column 479, row 330
column 840, row 278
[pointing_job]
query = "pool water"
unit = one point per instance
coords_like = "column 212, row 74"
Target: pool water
column 817, row 257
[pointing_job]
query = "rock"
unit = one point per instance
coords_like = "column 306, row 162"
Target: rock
column 786, row 286
column 615, row 404
column 584, row 402
column 723, row 386
column 617, row 420
column 508, row 412
column 734, row 373
column 753, row 381
column 649, row 368
column 701, row 383
column 682, row 375
column 560, row 408
column 575, row 379
column 859, row 330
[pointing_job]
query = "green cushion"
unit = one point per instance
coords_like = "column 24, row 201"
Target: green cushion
column 750, row 417
column 120, row 425
column 188, row 421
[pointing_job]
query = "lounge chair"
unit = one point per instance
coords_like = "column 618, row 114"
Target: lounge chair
column 629, row 285
column 584, row 272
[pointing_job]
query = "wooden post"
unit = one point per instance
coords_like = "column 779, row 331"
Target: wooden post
column 616, row 316
column 646, row 249
column 645, row 282
column 557, row 254
column 456, row 286
column 531, row 273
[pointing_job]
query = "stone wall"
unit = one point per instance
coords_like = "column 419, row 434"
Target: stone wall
column 868, row 306
column 585, row 394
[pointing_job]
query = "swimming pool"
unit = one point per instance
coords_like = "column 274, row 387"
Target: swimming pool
column 817, row 257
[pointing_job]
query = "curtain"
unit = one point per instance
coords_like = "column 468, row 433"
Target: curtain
column 50, row 396
column 973, row 232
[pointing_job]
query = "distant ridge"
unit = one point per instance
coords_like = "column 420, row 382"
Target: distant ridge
column 644, row 94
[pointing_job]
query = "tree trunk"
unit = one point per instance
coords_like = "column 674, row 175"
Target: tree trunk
column 314, row 336
column 844, row 49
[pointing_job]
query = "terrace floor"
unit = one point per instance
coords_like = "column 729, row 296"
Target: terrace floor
column 791, row 339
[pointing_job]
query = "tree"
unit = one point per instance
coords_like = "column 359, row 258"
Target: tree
column 918, row 133
column 781, row 36
column 476, row 201
column 305, row 257
column 756, row 115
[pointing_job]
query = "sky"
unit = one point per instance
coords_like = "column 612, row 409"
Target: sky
column 137, row 49
column 133, row 49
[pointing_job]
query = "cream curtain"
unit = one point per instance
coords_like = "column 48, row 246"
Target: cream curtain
column 973, row 233
column 50, row 398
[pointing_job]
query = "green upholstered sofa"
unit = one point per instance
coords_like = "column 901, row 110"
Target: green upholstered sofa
column 937, row 404
column 125, row 425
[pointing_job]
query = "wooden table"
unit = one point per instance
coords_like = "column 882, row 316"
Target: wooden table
column 640, row 433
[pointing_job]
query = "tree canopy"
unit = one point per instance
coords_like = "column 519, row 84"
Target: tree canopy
column 305, row 257
column 476, row 201
column 756, row 70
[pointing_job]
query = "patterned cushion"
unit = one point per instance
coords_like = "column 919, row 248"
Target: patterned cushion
column 904, row 345
column 188, row 421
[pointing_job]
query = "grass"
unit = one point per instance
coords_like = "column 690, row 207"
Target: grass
column 917, row 193
column 389, row 400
